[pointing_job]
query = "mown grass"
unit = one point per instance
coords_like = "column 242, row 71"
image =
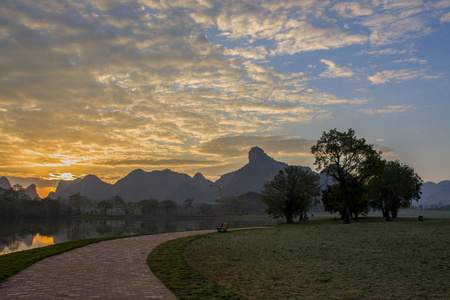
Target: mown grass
column 13, row 263
column 167, row 263
column 369, row 259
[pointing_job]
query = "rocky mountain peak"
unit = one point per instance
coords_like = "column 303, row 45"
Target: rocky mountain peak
column 4, row 183
column 31, row 191
column 199, row 176
column 257, row 154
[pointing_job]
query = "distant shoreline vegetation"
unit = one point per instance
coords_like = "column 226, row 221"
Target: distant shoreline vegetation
column 14, row 203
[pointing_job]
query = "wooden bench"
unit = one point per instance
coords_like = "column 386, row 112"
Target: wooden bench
column 222, row 228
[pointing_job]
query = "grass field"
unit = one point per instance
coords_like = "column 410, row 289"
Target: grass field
column 369, row 259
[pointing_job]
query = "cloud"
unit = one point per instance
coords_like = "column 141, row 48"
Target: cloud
column 386, row 150
column 238, row 146
column 396, row 76
column 445, row 18
column 159, row 162
column 352, row 9
column 397, row 21
column 387, row 51
column 303, row 37
column 102, row 86
column 334, row 71
column 388, row 110
column 411, row 60
column 258, row 52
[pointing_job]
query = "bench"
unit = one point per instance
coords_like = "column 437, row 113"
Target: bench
column 222, row 228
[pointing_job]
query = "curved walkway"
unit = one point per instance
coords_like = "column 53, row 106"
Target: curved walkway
column 115, row 269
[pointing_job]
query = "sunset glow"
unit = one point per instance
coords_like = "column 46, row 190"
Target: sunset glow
column 41, row 240
column 105, row 87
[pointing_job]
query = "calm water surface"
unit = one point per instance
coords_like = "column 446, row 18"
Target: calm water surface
column 24, row 234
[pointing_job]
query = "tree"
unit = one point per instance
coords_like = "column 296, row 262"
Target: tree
column 205, row 209
column 149, row 206
column 77, row 201
column 291, row 193
column 104, row 206
column 168, row 206
column 120, row 203
column 351, row 163
column 394, row 188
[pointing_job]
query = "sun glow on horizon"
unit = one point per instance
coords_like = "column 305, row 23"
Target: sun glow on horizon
column 62, row 176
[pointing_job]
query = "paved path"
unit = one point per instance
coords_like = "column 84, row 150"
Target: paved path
column 115, row 269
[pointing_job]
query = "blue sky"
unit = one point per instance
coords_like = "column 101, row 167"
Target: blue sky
column 105, row 87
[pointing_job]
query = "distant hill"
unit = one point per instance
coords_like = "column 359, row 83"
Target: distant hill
column 434, row 194
column 4, row 183
column 251, row 177
column 167, row 184
column 31, row 191
column 139, row 185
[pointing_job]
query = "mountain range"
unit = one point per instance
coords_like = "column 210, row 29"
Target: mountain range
column 435, row 194
column 167, row 184
column 30, row 190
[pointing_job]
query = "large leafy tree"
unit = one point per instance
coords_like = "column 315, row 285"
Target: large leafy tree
column 291, row 193
column 78, row 201
column 351, row 163
column 394, row 188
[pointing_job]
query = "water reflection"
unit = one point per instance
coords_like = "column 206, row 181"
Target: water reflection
column 17, row 235
column 15, row 243
column 42, row 240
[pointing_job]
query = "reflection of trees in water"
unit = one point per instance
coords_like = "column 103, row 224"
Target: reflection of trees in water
column 14, row 242
column 78, row 229
column 103, row 227
column 17, row 232
column 14, row 232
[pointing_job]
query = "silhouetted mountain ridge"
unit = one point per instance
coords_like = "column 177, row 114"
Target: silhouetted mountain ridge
column 167, row 184
column 435, row 194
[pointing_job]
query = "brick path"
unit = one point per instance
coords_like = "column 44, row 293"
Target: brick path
column 115, row 269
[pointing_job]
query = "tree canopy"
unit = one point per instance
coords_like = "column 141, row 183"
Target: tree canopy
column 351, row 163
column 395, row 187
column 291, row 193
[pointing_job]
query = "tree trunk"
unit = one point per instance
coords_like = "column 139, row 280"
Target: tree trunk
column 348, row 216
column 289, row 218
column 394, row 214
column 387, row 216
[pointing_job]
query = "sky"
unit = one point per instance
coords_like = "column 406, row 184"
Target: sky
column 108, row 86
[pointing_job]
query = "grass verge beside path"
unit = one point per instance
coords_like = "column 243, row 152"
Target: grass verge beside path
column 13, row 263
column 167, row 263
column 369, row 259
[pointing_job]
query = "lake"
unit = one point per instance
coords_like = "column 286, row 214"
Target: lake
column 24, row 234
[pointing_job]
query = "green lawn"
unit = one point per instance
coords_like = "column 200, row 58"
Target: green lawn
column 369, row 259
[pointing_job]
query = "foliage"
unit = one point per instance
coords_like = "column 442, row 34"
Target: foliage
column 291, row 193
column 14, row 203
column 205, row 209
column 77, row 202
column 351, row 163
column 119, row 203
column 394, row 188
column 396, row 260
column 168, row 264
column 168, row 207
column 149, row 206
column 245, row 204
column 188, row 203
column 104, row 206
